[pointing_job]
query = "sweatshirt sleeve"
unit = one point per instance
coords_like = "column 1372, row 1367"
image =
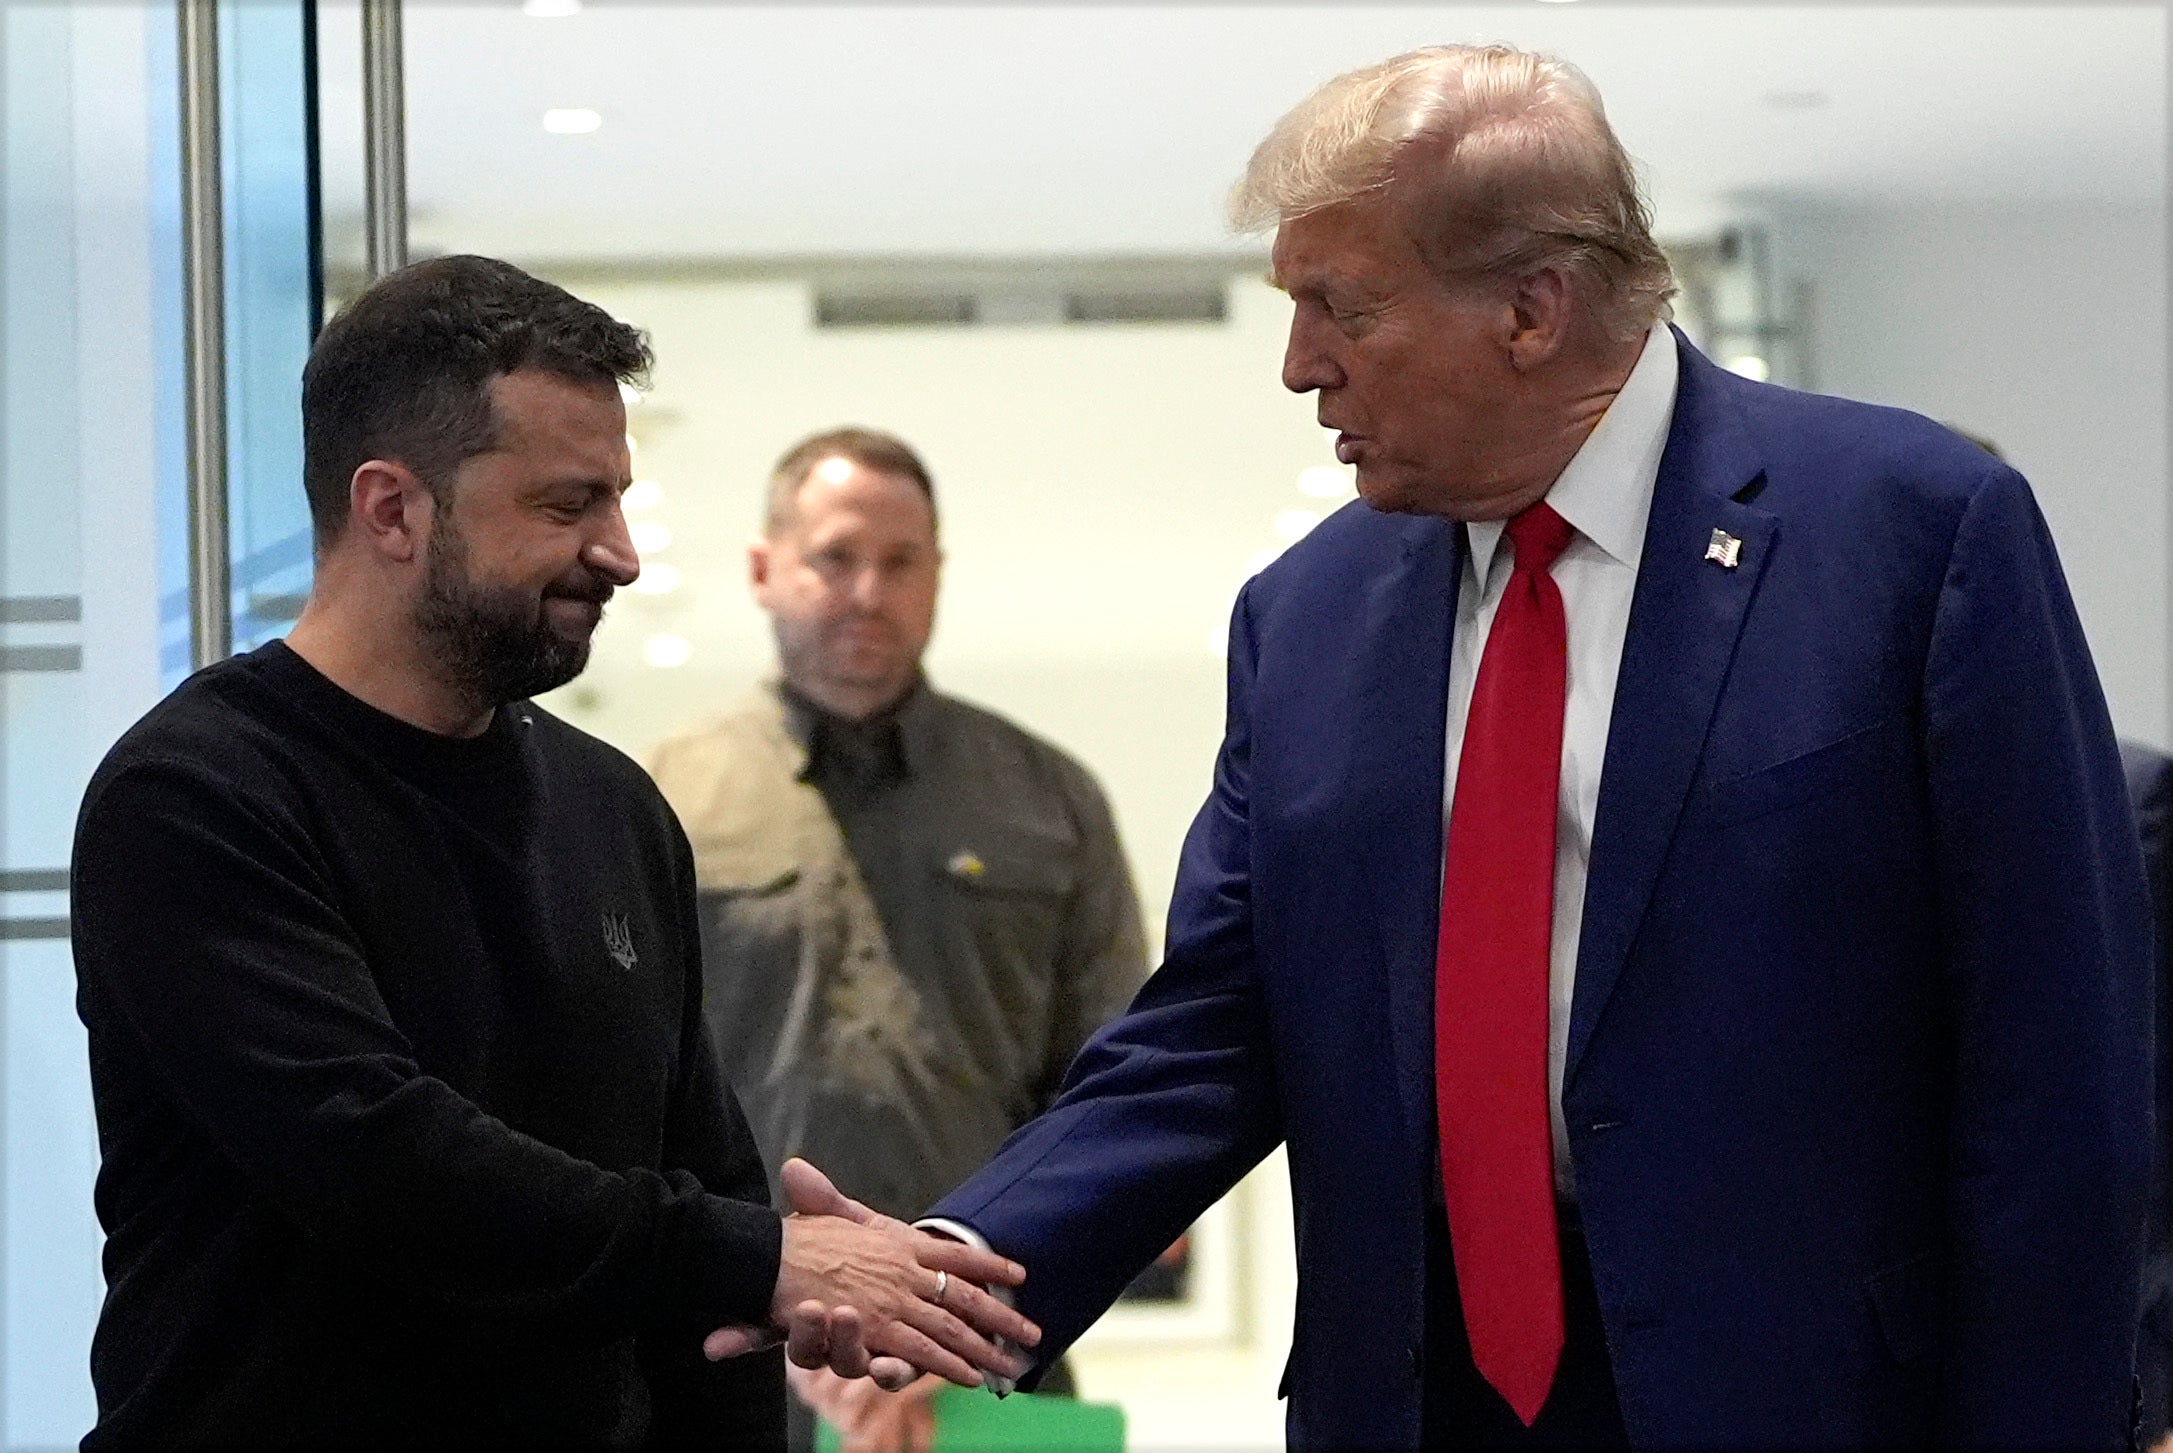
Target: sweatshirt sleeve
column 738, row 1403
column 209, row 942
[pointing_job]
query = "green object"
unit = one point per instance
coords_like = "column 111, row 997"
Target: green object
column 969, row 1420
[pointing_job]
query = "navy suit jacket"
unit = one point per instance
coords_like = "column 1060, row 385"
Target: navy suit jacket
column 1858, row 1079
column 2150, row 793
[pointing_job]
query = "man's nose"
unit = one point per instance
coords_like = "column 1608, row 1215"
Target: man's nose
column 611, row 553
column 866, row 586
column 1306, row 366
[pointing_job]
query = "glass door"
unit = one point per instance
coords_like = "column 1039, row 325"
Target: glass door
column 94, row 589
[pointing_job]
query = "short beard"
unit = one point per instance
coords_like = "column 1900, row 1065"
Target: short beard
column 493, row 645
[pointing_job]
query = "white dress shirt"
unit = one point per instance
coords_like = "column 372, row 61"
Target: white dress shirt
column 1605, row 493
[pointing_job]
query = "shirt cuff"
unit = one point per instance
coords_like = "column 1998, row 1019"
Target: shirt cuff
column 956, row 1230
column 960, row 1231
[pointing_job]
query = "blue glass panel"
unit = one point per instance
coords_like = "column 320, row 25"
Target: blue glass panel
column 93, row 568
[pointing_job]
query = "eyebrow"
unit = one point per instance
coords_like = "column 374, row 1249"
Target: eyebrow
column 588, row 483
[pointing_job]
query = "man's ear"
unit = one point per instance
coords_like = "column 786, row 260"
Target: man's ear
column 1542, row 309
column 758, row 567
column 391, row 509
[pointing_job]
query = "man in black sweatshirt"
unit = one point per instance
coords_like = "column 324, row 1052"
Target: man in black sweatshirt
column 412, row 1132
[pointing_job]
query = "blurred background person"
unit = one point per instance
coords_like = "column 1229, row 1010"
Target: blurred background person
column 914, row 912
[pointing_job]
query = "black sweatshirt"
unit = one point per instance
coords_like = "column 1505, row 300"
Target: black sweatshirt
column 411, row 1131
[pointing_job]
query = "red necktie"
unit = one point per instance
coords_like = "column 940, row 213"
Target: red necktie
column 1490, row 984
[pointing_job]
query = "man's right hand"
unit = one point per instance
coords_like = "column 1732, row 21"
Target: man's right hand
column 868, row 1418
column 858, row 1293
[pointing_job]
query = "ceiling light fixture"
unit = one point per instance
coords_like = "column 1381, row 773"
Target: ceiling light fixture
column 1750, row 365
column 650, row 536
column 657, row 579
column 667, row 651
column 1327, row 481
column 1293, row 525
column 571, row 120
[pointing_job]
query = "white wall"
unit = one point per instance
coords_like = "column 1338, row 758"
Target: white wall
column 2043, row 329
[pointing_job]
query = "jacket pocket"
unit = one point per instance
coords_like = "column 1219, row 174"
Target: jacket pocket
column 1908, row 1300
column 1867, row 753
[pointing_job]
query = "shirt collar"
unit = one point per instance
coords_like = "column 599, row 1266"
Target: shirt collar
column 1605, row 492
column 909, row 717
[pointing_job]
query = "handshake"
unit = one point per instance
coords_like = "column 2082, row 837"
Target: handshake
column 865, row 1295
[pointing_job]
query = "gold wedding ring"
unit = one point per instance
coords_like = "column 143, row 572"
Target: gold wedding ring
column 943, row 1284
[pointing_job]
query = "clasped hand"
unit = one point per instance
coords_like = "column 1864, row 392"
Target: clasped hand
column 866, row 1295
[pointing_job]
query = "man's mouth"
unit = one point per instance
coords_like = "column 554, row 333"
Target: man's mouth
column 587, row 610
column 1347, row 447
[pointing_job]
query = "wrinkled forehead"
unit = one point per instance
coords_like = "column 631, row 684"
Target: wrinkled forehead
column 534, row 408
column 1368, row 234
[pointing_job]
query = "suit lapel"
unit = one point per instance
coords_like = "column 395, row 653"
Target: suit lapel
column 1410, row 612
column 1685, row 618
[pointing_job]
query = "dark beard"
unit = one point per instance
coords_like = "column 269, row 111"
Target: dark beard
column 493, row 645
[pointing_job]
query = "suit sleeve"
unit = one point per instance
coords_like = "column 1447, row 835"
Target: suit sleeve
column 208, row 942
column 1167, row 1107
column 2046, row 935
column 737, row 1404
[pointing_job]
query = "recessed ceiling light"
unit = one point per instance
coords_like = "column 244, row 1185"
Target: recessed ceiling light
column 629, row 395
column 667, row 651
column 1750, row 365
column 650, row 536
column 1327, row 481
column 642, row 494
column 633, row 445
column 657, row 579
column 551, row 9
column 571, row 120
column 1292, row 525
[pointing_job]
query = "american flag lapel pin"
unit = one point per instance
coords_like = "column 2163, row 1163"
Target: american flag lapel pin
column 1724, row 550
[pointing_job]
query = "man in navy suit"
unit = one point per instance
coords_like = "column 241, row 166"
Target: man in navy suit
column 1666, row 877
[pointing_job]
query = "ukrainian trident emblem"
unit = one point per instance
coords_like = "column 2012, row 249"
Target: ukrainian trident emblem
column 619, row 940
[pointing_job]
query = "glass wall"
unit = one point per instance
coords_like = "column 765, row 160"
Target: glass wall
column 93, row 572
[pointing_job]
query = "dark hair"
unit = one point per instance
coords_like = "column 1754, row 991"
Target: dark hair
column 871, row 449
column 403, row 373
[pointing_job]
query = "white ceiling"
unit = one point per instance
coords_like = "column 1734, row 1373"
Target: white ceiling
column 741, row 130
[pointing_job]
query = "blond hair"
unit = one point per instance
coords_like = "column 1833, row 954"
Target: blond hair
column 1517, row 168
